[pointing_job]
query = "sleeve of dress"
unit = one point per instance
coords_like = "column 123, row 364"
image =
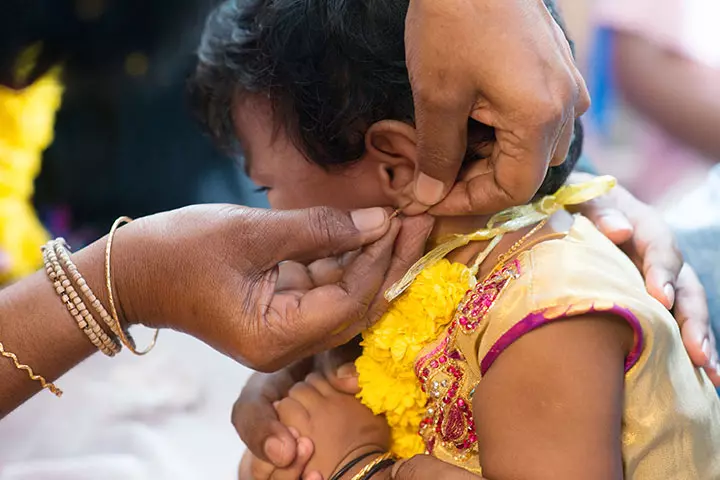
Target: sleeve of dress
column 561, row 280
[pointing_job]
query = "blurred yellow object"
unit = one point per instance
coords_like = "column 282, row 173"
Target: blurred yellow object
column 27, row 120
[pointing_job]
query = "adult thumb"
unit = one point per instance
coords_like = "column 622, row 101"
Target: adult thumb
column 441, row 140
column 320, row 232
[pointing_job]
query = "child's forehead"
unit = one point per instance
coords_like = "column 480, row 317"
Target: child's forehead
column 261, row 138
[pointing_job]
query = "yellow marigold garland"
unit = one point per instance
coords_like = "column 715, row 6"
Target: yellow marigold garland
column 386, row 374
column 27, row 118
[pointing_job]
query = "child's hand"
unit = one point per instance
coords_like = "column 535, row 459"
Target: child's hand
column 339, row 426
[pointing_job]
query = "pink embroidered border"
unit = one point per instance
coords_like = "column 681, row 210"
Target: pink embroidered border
column 538, row 319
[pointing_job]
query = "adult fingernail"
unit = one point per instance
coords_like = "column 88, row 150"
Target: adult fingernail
column 706, row 349
column 347, row 371
column 429, row 190
column 669, row 294
column 369, row 219
column 275, row 450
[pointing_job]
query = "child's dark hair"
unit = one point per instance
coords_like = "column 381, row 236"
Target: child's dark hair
column 331, row 69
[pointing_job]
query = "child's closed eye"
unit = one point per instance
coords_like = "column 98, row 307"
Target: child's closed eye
column 262, row 189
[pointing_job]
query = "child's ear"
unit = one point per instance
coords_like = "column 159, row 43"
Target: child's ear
column 392, row 146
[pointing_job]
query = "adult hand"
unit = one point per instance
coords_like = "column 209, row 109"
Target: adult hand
column 463, row 58
column 212, row 272
column 275, row 451
column 645, row 237
column 253, row 415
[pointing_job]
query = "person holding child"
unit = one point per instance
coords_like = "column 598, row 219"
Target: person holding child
column 218, row 256
column 522, row 345
column 55, row 350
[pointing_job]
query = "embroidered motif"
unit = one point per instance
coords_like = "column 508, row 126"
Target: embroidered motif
column 448, row 416
column 441, row 372
column 479, row 300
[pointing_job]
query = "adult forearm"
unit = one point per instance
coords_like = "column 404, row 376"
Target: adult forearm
column 37, row 327
column 680, row 95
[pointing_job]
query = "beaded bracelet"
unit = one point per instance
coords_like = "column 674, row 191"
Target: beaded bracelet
column 63, row 252
column 74, row 303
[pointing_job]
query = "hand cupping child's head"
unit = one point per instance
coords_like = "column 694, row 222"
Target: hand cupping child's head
column 318, row 97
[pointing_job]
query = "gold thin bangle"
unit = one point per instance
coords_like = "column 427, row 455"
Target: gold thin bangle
column 125, row 338
column 361, row 474
column 38, row 378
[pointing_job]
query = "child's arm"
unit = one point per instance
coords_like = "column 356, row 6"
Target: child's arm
column 550, row 406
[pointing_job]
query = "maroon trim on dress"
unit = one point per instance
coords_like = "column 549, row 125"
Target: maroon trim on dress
column 538, row 319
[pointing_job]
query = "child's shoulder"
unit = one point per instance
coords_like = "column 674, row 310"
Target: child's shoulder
column 582, row 273
column 583, row 265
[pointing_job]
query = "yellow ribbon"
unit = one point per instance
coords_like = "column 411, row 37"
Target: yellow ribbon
column 509, row 220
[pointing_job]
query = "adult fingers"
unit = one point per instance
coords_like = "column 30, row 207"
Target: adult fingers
column 441, row 125
column 519, row 164
column 255, row 418
column 338, row 366
column 562, row 148
column 301, row 324
column 409, row 247
column 293, row 276
column 661, row 258
column 691, row 313
column 642, row 231
column 611, row 221
column 320, row 232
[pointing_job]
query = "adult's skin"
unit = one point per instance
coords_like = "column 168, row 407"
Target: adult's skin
column 634, row 226
column 212, row 271
column 450, row 50
column 683, row 100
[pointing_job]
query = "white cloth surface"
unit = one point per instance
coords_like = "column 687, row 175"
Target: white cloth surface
column 165, row 416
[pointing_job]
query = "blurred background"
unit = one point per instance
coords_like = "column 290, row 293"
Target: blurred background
column 125, row 143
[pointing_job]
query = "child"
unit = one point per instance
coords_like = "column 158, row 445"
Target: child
column 556, row 364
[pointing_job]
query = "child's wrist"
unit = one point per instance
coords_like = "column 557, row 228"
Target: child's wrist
column 369, row 454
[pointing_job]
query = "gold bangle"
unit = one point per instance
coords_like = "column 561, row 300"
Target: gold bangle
column 361, row 474
column 125, row 338
column 38, row 378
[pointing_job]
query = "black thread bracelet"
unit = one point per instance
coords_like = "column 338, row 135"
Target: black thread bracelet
column 348, row 466
column 379, row 467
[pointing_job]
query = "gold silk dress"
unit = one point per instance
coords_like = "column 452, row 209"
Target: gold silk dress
column 671, row 421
